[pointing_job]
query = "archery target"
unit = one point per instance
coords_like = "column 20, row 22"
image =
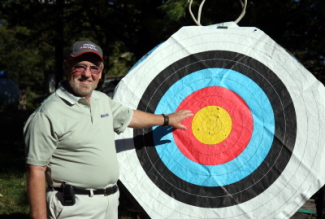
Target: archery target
column 244, row 153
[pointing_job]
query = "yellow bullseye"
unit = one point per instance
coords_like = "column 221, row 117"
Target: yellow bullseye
column 211, row 125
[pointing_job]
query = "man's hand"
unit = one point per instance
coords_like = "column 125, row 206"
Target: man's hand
column 176, row 118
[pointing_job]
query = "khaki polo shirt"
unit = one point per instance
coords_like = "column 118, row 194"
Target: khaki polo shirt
column 75, row 140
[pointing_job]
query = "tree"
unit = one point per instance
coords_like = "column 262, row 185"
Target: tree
column 23, row 61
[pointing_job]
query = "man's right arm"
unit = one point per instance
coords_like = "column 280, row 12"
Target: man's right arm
column 36, row 189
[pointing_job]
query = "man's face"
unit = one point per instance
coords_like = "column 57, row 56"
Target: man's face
column 83, row 74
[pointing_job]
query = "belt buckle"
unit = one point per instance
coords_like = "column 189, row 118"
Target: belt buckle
column 109, row 190
column 105, row 194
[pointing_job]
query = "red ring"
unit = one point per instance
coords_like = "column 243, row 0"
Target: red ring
column 233, row 145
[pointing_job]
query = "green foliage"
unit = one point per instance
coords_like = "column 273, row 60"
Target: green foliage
column 21, row 60
column 120, row 62
column 175, row 10
column 25, row 62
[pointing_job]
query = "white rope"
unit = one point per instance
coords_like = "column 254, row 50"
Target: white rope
column 244, row 5
column 193, row 17
column 200, row 10
column 198, row 21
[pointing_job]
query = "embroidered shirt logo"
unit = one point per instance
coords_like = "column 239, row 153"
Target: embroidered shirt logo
column 104, row 115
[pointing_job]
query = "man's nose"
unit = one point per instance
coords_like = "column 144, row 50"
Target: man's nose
column 87, row 72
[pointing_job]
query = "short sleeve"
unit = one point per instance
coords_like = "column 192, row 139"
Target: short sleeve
column 122, row 116
column 40, row 139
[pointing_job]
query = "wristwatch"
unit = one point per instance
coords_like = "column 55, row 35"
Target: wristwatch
column 166, row 119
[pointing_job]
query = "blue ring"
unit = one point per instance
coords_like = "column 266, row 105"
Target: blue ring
column 255, row 152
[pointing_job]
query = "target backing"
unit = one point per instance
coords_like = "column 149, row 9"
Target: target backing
column 252, row 149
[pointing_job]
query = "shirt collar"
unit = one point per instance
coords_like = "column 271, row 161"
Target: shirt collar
column 65, row 94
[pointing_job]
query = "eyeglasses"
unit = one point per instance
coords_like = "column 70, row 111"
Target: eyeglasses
column 94, row 69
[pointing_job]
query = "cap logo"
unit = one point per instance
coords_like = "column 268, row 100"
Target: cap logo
column 88, row 46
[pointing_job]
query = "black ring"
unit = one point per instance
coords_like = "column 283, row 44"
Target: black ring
column 265, row 175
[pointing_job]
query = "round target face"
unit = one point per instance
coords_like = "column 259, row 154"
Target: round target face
column 254, row 144
column 237, row 166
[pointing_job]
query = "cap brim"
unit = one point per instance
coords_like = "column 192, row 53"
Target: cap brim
column 88, row 52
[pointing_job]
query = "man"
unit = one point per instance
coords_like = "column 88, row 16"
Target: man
column 70, row 142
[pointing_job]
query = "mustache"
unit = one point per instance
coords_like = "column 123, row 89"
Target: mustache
column 83, row 78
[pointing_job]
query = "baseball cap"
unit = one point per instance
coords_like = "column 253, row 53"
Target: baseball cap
column 81, row 47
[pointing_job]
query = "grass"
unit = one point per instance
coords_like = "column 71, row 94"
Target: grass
column 13, row 195
column 13, row 199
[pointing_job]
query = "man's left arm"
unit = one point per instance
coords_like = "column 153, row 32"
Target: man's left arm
column 144, row 120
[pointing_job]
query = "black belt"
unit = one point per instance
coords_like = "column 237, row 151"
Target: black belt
column 107, row 191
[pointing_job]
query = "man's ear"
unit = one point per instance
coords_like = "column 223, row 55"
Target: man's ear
column 101, row 73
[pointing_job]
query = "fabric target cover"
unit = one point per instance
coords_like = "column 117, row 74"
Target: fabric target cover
column 253, row 148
